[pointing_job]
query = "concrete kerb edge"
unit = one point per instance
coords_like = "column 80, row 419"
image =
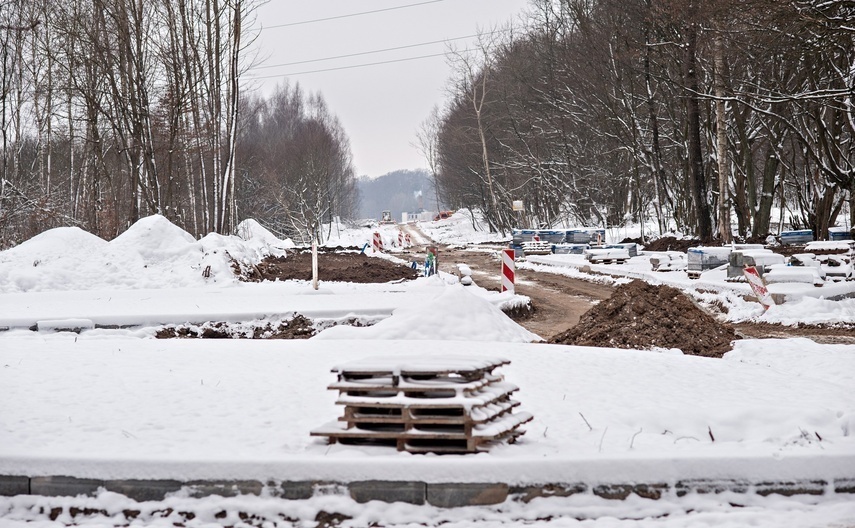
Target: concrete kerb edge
column 444, row 495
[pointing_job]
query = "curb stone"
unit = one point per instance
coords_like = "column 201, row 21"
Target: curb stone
column 844, row 485
column 455, row 495
column 444, row 495
column 788, row 489
column 143, row 490
column 62, row 486
column 386, row 491
column 11, row 486
column 226, row 488
column 528, row 493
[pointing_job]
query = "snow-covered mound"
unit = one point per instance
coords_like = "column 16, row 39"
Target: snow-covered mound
column 459, row 229
column 453, row 315
column 53, row 244
column 152, row 253
column 251, row 231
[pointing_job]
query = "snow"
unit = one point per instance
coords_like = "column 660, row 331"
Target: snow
column 457, row 313
column 247, row 407
column 726, row 510
column 117, row 403
column 459, row 229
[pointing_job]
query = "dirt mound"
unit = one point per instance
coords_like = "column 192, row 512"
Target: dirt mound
column 671, row 244
column 332, row 266
column 641, row 316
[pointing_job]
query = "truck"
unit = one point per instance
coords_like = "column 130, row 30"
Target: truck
column 386, row 217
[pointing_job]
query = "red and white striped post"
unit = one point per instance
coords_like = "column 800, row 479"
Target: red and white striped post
column 508, row 270
column 378, row 242
column 409, row 241
column 400, row 239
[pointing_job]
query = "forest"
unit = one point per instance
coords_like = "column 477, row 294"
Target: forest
column 112, row 110
column 711, row 118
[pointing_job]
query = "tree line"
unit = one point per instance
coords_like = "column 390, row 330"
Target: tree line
column 680, row 112
column 111, row 110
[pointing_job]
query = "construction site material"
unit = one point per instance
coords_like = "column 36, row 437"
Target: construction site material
column 761, row 259
column 839, row 233
column 797, row 274
column 802, row 236
column 701, row 259
column 840, row 247
column 536, row 247
column 435, row 404
column 668, row 261
column 569, row 249
column 608, row 255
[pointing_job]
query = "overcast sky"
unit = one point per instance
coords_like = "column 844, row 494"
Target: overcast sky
column 380, row 106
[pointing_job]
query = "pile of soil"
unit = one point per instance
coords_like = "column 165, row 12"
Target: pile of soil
column 642, row 316
column 671, row 244
column 297, row 328
column 332, row 266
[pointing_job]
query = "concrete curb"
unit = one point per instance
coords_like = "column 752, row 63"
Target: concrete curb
column 443, row 495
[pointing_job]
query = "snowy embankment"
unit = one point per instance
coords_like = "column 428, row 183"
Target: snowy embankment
column 100, row 406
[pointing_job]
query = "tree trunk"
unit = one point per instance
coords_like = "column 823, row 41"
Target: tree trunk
column 724, row 228
column 698, row 186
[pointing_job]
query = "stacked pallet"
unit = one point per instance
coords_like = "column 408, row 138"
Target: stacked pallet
column 437, row 404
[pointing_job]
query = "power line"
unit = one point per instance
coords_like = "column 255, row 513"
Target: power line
column 364, row 53
column 351, row 14
column 351, row 67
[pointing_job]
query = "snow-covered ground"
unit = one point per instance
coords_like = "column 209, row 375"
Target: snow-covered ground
column 117, row 403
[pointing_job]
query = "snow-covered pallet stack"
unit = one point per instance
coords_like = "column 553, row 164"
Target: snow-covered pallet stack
column 437, row 404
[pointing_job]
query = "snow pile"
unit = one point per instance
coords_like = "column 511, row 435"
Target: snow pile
column 251, row 231
column 459, row 229
column 453, row 315
column 152, row 253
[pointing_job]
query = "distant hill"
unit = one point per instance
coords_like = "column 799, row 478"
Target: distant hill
column 398, row 191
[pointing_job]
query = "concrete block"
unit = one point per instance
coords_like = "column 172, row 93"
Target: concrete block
column 64, row 486
column 613, row 491
column 228, row 488
column 685, row 487
column 293, row 490
column 527, row 493
column 388, row 491
column 454, row 495
column 650, row 491
column 143, row 490
column 11, row 486
column 788, row 489
column 844, row 486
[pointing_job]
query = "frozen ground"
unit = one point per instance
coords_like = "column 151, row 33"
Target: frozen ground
column 120, row 404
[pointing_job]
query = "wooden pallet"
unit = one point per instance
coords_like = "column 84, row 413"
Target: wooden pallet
column 420, row 405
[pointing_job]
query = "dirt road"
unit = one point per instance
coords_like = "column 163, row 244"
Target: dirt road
column 558, row 302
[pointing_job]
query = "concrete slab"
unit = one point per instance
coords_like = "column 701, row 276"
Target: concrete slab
column 225, row 488
column 455, row 495
column 143, row 490
column 62, row 486
column 14, row 485
column 388, row 491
